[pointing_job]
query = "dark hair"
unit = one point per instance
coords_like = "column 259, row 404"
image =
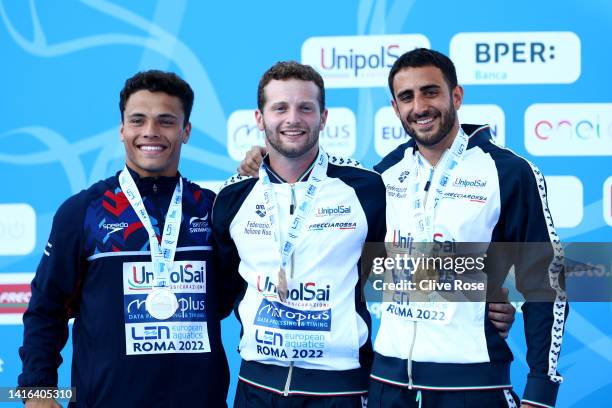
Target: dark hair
column 290, row 70
column 423, row 57
column 158, row 81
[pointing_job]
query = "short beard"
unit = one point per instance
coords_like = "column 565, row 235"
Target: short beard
column 447, row 123
column 294, row 152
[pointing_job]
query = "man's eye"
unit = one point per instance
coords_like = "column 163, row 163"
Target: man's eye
column 136, row 121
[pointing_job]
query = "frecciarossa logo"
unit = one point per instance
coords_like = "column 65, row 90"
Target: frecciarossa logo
column 304, row 291
column 322, row 226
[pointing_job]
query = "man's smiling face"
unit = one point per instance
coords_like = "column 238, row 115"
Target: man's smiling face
column 425, row 105
column 153, row 132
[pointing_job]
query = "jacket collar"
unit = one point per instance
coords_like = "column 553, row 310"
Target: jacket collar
column 148, row 185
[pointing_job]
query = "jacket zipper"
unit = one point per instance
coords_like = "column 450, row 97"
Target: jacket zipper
column 288, row 382
column 292, row 207
column 414, row 329
column 414, row 323
column 291, row 212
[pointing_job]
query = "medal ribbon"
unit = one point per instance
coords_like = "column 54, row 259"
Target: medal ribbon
column 424, row 212
column 162, row 255
column 297, row 221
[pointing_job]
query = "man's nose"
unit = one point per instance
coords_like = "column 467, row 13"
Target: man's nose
column 151, row 129
column 293, row 116
column 420, row 105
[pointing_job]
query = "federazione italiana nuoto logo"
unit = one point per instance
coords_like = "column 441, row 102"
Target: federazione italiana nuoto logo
column 358, row 61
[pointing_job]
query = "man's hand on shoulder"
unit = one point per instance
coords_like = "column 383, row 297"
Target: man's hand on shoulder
column 249, row 166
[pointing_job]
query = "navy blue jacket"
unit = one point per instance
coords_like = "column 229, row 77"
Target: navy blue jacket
column 96, row 268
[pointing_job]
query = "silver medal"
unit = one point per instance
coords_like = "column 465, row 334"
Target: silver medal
column 161, row 303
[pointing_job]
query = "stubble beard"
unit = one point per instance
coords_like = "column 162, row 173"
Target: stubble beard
column 273, row 137
column 446, row 125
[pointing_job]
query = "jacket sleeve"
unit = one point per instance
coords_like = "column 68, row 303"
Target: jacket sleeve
column 539, row 277
column 374, row 202
column 228, row 281
column 54, row 300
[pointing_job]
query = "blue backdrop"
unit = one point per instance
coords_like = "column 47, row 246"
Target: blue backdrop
column 541, row 70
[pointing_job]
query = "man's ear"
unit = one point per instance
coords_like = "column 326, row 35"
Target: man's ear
column 323, row 119
column 457, row 96
column 186, row 132
column 259, row 119
column 121, row 137
column 395, row 108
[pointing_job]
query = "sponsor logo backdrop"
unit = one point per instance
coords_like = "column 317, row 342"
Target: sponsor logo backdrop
column 540, row 78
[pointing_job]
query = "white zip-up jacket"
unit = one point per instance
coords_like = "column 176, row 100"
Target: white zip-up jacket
column 317, row 342
column 493, row 196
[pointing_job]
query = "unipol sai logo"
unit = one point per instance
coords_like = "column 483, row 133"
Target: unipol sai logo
column 358, row 61
column 491, row 115
column 338, row 138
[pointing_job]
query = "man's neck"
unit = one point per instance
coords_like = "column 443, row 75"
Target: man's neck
column 434, row 153
column 291, row 169
column 143, row 173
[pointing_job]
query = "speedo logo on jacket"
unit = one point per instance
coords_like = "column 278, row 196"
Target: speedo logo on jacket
column 303, row 292
column 115, row 226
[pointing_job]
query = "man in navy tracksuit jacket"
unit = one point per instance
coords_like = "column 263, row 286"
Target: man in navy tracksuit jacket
column 97, row 268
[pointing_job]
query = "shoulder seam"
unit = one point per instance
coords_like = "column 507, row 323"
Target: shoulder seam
column 234, row 179
column 518, row 156
column 347, row 162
